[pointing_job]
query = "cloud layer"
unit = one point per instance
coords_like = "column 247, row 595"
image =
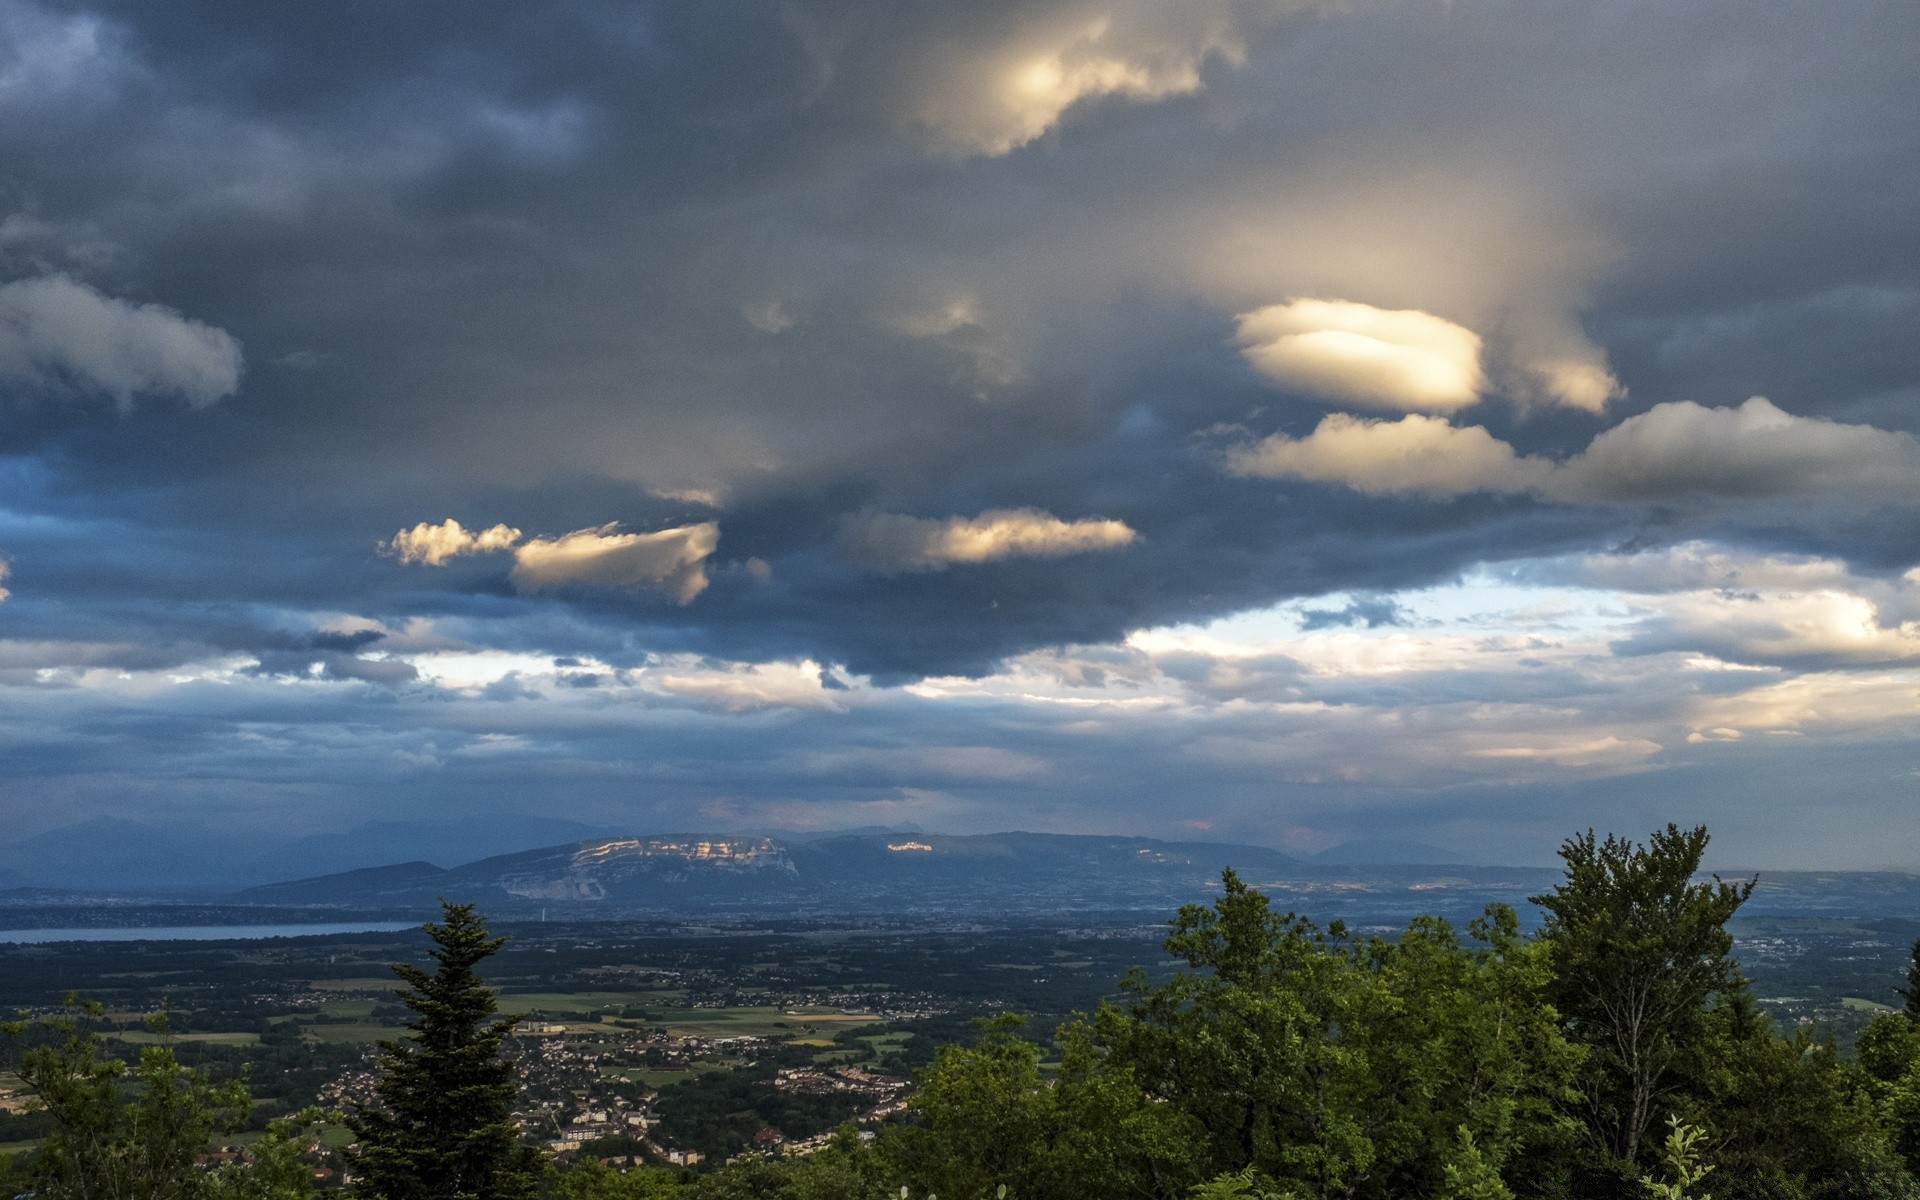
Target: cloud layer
column 1672, row 452
column 1103, row 402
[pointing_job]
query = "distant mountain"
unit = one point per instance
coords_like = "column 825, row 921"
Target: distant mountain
column 110, row 854
column 402, row 884
column 1373, row 852
column 847, row 872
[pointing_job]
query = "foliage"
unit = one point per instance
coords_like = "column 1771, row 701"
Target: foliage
column 1640, row 954
column 590, row 1180
column 442, row 1127
column 134, row 1133
column 1338, row 1067
column 1911, row 993
column 1681, row 1157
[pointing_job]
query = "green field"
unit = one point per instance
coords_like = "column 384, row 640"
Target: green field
column 760, row 1021
column 356, row 1034
column 1859, row 1004
column 379, row 984
column 584, row 1003
column 213, row 1039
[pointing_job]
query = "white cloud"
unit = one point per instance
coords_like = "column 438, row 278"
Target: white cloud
column 743, row 687
column 1414, row 455
column 6, row 569
column 1400, row 359
column 1696, row 565
column 1754, row 451
column 1827, row 626
column 669, row 560
column 435, row 544
column 54, row 329
column 1670, row 452
column 894, row 542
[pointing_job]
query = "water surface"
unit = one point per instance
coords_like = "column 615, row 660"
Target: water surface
column 194, row 933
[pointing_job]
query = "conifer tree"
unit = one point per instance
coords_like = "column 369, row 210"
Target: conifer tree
column 442, row 1127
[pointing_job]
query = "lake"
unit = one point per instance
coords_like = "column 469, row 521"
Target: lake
column 194, row 933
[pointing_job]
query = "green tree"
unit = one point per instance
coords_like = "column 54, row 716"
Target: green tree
column 1888, row 1053
column 1911, row 993
column 986, row 1117
column 1640, row 955
column 845, row 1170
column 1340, row 1068
column 1789, row 1117
column 131, row 1133
column 592, row 1180
column 441, row 1128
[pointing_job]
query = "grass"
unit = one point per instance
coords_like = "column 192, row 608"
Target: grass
column 759, row 1021
column 583, row 1003
column 386, row 984
column 142, row 1038
column 352, row 1034
column 1861, row 1004
column 7, row 1148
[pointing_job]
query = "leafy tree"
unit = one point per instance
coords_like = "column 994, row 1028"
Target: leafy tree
column 844, row 1170
column 1640, row 955
column 592, row 1180
column 987, row 1118
column 442, row 1126
column 1888, row 1052
column 1911, row 992
column 1789, row 1118
column 132, row 1133
column 1335, row 1067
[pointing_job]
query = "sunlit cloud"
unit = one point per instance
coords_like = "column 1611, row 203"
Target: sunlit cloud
column 1672, row 451
column 998, row 96
column 434, row 545
column 1337, row 349
column 672, row 561
column 893, row 542
column 1414, row 455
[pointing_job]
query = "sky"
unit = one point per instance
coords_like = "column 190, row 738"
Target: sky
column 1469, row 421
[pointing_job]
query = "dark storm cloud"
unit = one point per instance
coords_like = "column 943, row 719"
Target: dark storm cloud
column 785, row 267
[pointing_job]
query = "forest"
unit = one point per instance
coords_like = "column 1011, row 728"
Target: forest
column 1615, row 1051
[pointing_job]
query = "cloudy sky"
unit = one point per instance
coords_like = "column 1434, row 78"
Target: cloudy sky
column 1273, row 420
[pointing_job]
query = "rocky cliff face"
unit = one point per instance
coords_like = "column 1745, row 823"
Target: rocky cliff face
column 596, row 871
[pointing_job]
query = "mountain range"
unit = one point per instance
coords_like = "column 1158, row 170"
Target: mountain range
column 896, row 872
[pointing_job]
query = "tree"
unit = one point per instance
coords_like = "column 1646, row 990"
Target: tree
column 986, row 1118
column 132, row 1135
column 1640, row 954
column 441, row 1128
column 1911, row 992
column 589, row 1179
column 1319, row 1065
